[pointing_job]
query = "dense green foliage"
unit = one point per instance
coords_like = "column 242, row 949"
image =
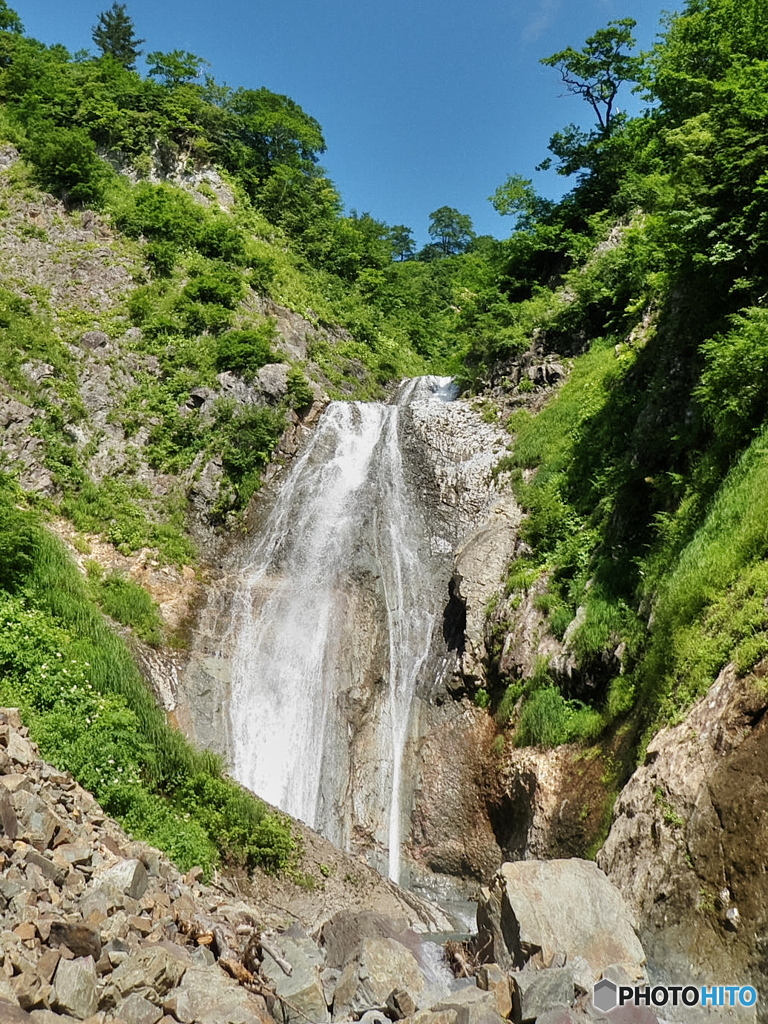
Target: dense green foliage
column 646, row 507
column 92, row 714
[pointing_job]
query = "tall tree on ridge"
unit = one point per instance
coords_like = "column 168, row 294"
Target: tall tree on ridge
column 451, row 230
column 114, row 36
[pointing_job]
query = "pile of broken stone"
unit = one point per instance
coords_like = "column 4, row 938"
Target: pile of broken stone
column 95, row 927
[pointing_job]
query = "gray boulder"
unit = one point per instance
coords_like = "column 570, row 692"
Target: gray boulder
column 541, row 991
column 152, row 972
column 74, row 988
column 12, row 1014
column 272, row 380
column 303, row 987
column 380, row 967
column 128, row 877
column 342, row 935
column 207, row 996
column 557, row 906
column 138, row 1010
column 472, row 1006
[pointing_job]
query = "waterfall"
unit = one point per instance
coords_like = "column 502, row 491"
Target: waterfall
column 333, row 628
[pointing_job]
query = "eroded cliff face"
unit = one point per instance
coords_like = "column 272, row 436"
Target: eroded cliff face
column 688, row 843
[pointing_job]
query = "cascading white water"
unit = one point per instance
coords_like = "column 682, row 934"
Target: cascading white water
column 345, row 524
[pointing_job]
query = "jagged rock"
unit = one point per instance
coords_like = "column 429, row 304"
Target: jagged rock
column 37, row 371
column 75, row 853
column 207, row 996
column 128, row 877
column 8, row 156
column 30, row 990
column 12, row 1014
column 380, row 967
column 201, row 399
column 94, row 339
column 569, row 1015
column 14, row 413
column 49, row 1017
column 9, row 825
column 20, row 750
column 688, row 839
column 6, row 991
column 480, row 568
column 451, row 830
column 78, row 937
column 540, row 991
column 434, row 1017
column 472, row 1006
column 530, row 909
column 138, row 1010
column 303, row 987
column 152, row 970
column 400, row 1004
column 35, row 817
column 272, row 380
column 74, row 987
column 47, row 868
column 329, row 977
column 491, row 978
column 342, row 935
column 374, row 1017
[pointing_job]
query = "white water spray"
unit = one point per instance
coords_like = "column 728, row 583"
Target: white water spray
column 345, row 513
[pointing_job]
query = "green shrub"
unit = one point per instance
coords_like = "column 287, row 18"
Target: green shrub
column 161, row 256
column 246, row 351
column 199, row 317
column 27, row 334
column 249, row 438
column 709, row 606
column 545, row 720
column 129, row 603
column 67, row 163
column 300, row 394
column 509, row 699
column 161, row 213
column 734, row 383
column 218, row 285
column 219, row 239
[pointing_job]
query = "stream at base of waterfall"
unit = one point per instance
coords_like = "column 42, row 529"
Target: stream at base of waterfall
column 337, row 625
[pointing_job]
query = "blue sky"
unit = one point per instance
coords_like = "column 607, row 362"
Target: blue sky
column 424, row 103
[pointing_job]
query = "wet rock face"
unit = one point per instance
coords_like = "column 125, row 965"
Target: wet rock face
column 452, row 833
column 687, row 845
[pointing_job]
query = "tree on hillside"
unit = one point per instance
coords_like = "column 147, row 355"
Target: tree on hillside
column 451, row 230
column 597, row 70
column 114, row 36
column 269, row 130
column 400, row 238
column 517, row 197
column 176, row 67
column 9, row 19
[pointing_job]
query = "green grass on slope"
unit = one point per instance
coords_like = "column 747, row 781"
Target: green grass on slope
column 707, row 595
column 711, row 608
column 90, row 711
